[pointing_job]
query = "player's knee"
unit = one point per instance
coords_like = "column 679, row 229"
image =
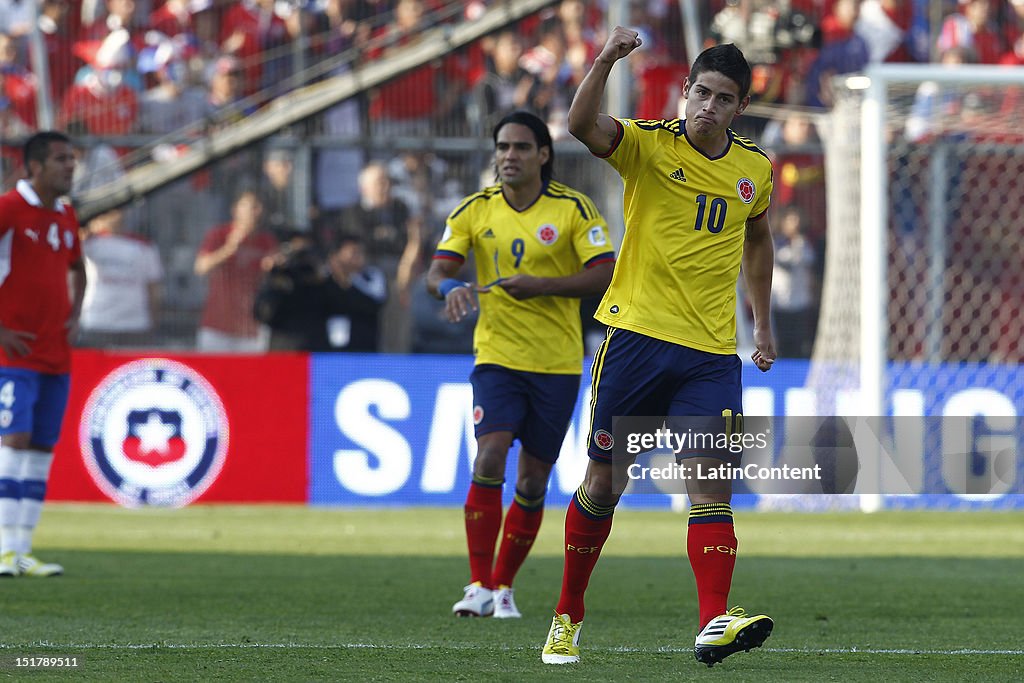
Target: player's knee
column 532, row 486
column 707, row 490
column 19, row 442
column 702, row 492
column 599, row 484
column 490, row 462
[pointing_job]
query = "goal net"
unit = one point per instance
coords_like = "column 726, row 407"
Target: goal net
column 924, row 267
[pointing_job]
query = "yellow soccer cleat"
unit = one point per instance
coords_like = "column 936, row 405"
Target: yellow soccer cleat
column 28, row 565
column 563, row 646
column 729, row 633
column 9, row 564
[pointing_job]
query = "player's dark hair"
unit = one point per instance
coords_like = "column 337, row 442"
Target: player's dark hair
column 540, row 133
column 726, row 59
column 248, row 190
column 37, row 147
column 347, row 238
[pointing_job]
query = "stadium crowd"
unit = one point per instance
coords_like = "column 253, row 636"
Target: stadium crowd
column 122, row 72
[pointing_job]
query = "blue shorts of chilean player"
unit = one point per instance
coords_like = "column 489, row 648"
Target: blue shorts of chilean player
column 33, row 402
column 637, row 375
column 535, row 406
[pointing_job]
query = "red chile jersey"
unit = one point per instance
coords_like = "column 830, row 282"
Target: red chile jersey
column 38, row 245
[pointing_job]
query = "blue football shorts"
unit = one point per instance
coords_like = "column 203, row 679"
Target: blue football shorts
column 637, row 375
column 535, row 406
column 33, row 402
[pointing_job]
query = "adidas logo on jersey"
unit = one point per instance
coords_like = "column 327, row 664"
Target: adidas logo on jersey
column 678, row 175
column 488, row 233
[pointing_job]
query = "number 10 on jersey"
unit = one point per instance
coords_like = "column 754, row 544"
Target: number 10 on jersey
column 715, row 213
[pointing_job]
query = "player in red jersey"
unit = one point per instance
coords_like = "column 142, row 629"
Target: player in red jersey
column 38, row 319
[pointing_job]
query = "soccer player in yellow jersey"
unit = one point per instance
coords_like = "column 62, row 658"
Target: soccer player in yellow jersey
column 539, row 246
column 696, row 202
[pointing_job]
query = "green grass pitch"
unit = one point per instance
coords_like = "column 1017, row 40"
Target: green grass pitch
column 293, row 593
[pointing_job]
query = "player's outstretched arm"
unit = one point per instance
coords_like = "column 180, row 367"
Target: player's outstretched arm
column 596, row 130
column 758, row 262
column 588, row 282
column 459, row 298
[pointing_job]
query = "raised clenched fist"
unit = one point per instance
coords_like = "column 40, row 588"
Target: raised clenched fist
column 620, row 43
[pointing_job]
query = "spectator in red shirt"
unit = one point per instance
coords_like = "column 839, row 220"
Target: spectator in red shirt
column 57, row 38
column 120, row 17
column 659, row 80
column 19, row 84
column 252, row 27
column 101, row 101
column 883, row 24
column 233, row 255
column 120, row 14
column 842, row 52
column 12, row 127
column 174, row 17
column 972, row 29
column 1014, row 34
column 409, row 104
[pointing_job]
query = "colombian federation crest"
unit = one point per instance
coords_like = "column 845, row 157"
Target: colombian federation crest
column 154, row 432
column 547, row 234
column 745, row 190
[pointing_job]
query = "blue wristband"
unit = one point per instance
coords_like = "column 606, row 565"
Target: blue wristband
column 448, row 285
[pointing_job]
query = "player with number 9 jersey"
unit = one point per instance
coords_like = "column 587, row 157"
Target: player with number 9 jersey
column 539, row 247
column 560, row 233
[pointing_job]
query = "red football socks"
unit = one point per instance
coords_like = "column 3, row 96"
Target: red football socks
column 522, row 522
column 587, row 526
column 711, row 547
column 483, row 521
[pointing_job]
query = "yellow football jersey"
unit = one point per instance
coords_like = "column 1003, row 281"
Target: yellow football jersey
column 685, row 215
column 558, row 235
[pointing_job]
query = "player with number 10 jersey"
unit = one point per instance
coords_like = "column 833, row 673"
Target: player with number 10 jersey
column 687, row 217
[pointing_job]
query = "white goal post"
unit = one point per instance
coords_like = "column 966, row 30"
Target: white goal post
column 876, row 115
column 925, row 237
column 926, row 140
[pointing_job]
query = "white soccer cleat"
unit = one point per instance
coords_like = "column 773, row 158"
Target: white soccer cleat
column 477, row 602
column 729, row 633
column 505, row 604
column 9, row 565
column 563, row 646
column 29, row 565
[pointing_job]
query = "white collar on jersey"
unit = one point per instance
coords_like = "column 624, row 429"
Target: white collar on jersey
column 28, row 192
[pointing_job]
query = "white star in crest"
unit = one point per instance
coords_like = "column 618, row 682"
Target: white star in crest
column 153, row 434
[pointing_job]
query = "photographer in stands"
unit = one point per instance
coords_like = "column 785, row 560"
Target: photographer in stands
column 312, row 306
